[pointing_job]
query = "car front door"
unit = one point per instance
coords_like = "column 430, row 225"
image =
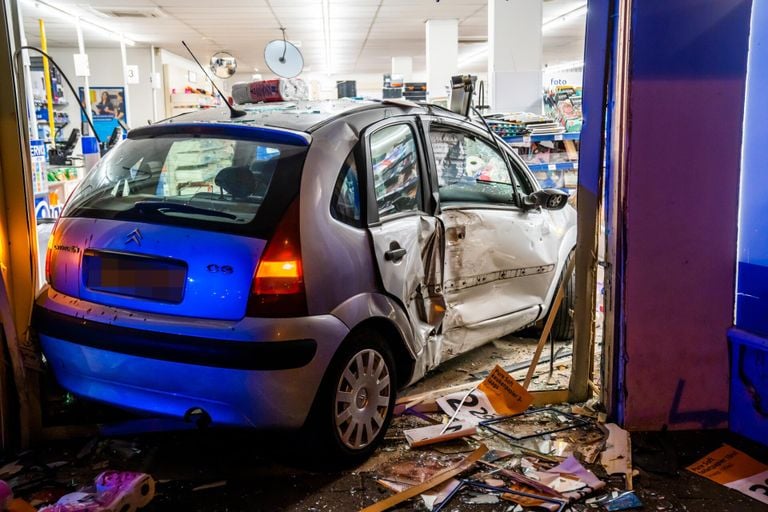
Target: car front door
column 500, row 261
column 407, row 239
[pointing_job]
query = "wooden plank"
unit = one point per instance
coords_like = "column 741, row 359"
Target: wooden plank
column 550, row 321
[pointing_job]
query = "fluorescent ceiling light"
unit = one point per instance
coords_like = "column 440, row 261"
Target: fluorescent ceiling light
column 63, row 13
column 564, row 18
column 565, row 66
column 327, row 36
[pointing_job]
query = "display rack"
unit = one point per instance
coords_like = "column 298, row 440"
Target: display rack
column 561, row 171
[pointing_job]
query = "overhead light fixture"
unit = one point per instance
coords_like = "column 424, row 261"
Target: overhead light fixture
column 565, row 66
column 471, row 57
column 327, row 36
column 61, row 12
column 561, row 19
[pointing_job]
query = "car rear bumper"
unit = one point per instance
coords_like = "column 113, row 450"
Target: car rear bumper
column 254, row 372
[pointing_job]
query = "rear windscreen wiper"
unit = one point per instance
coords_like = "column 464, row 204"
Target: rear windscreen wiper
column 144, row 207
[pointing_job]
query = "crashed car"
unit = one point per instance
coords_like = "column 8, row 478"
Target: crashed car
column 296, row 266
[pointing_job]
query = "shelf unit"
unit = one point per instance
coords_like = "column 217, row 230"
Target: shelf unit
column 562, row 174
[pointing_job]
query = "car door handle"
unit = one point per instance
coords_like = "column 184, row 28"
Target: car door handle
column 395, row 252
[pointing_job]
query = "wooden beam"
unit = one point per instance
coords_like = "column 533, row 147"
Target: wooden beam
column 18, row 236
column 590, row 191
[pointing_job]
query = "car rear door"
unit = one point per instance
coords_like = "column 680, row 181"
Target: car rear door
column 500, row 258
column 407, row 239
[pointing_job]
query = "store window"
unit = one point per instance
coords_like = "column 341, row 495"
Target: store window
column 469, row 169
column 394, row 160
column 345, row 203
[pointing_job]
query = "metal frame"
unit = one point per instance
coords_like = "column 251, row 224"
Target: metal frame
column 577, row 422
column 478, row 485
column 590, row 191
column 615, row 193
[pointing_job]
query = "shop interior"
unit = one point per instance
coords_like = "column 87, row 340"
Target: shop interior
column 639, row 373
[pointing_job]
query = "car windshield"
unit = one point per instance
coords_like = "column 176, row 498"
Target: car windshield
column 188, row 180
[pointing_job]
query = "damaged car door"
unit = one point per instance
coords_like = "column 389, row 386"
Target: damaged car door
column 500, row 261
column 407, row 239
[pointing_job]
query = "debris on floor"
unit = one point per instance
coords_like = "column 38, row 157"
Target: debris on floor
column 528, row 457
column 507, row 457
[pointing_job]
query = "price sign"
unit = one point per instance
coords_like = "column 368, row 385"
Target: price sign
column 735, row 469
column 498, row 395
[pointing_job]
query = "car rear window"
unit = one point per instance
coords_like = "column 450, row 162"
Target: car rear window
column 201, row 181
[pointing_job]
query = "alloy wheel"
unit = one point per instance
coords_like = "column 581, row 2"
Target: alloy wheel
column 362, row 399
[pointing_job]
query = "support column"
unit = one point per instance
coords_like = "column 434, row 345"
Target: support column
column 515, row 55
column 402, row 66
column 442, row 56
column 86, row 79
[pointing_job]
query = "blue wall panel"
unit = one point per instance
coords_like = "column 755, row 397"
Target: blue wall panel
column 752, row 284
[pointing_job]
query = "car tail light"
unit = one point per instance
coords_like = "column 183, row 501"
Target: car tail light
column 278, row 285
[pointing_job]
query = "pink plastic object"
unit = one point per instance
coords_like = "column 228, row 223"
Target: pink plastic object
column 6, row 494
column 137, row 489
column 116, row 491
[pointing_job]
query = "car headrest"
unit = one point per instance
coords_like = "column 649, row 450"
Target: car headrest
column 239, row 182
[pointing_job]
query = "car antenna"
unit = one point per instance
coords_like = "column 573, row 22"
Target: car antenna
column 233, row 112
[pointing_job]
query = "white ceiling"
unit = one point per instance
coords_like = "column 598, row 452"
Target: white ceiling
column 364, row 34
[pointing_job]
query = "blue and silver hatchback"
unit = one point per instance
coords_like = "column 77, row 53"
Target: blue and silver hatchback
column 296, row 266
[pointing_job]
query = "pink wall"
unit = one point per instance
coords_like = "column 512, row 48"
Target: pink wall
column 688, row 67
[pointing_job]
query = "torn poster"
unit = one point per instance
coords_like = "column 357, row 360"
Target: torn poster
column 498, row 395
column 735, row 469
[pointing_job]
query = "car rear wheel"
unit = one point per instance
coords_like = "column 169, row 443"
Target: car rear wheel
column 353, row 407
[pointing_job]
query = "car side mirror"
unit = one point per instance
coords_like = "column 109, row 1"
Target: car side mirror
column 548, row 198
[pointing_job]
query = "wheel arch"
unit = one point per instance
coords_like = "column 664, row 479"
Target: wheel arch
column 379, row 313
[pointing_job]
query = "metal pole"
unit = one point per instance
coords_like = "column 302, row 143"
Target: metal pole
column 32, row 116
column 153, row 84
column 47, row 73
column 125, row 77
column 86, row 80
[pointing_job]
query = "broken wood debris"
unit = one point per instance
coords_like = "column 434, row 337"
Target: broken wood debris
column 441, row 477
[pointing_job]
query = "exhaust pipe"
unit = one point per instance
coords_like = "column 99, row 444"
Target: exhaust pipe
column 198, row 416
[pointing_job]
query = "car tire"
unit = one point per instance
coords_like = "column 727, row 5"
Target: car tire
column 353, row 407
column 563, row 326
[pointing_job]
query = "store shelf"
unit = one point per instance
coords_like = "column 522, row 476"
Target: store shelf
column 527, row 139
column 563, row 166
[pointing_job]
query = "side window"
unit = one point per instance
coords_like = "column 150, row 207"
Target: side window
column 395, row 164
column 469, row 169
column 345, row 203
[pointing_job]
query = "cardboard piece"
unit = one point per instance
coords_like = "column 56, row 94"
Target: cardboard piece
column 735, row 469
column 617, row 457
column 499, row 394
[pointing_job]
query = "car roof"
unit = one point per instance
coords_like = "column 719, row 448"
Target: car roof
column 304, row 116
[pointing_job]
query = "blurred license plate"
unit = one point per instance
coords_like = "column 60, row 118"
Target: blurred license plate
column 135, row 275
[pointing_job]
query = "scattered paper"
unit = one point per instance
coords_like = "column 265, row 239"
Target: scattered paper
column 735, row 469
column 583, row 482
column 617, row 457
column 498, row 395
column 432, row 434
